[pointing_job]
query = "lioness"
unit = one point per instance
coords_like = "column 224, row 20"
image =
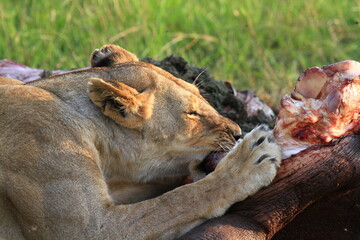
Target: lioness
column 80, row 152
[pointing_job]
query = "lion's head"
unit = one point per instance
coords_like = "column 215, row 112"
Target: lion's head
column 166, row 111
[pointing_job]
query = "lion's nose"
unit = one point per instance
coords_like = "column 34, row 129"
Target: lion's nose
column 237, row 137
column 237, row 133
column 233, row 128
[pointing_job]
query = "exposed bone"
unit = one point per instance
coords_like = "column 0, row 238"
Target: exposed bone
column 311, row 82
column 348, row 68
column 324, row 105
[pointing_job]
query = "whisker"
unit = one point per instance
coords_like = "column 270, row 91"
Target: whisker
column 221, row 147
column 226, row 146
column 199, row 84
column 197, row 78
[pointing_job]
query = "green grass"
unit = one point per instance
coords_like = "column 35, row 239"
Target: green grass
column 262, row 45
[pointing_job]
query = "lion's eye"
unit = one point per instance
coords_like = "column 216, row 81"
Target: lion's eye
column 192, row 114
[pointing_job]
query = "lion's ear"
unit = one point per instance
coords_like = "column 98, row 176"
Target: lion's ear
column 122, row 103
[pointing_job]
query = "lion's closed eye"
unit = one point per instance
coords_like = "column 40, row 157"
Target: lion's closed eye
column 193, row 114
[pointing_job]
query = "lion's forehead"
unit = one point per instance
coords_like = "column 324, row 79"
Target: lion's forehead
column 148, row 72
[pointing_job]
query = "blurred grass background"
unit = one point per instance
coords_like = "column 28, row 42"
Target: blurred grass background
column 255, row 44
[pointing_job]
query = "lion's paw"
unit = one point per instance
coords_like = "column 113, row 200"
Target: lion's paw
column 260, row 146
column 253, row 162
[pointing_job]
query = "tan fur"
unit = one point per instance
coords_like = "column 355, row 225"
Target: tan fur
column 110, row 55
column 9, row 81
column 75, row 145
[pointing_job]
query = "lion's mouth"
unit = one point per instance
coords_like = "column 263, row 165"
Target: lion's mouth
column 211, row 160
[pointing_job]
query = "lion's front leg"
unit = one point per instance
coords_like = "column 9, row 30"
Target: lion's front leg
column 68, row 204
column 250, row 166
